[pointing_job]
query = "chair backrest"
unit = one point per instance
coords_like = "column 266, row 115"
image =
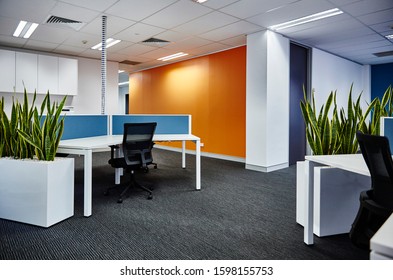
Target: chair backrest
column 137, row 143
column 377, row 155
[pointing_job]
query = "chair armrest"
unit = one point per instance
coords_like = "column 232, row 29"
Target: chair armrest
column 113, row 148
column 143, row 157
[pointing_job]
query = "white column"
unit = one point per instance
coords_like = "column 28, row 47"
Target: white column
column 267, row 101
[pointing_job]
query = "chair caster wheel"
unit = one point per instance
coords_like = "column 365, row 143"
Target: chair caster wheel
column 150, row 197
column 120, row 200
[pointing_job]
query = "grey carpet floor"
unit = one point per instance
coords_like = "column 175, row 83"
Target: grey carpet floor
column 238, row 214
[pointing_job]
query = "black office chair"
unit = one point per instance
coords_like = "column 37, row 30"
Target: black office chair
column 376, row 204
column 136, row 147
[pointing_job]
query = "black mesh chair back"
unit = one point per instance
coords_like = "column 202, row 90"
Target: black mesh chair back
column 376, row 204
column 137, row 145
column 377, row 155
column 138, row 142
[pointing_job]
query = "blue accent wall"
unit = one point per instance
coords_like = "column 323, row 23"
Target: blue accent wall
column 381, row 78
column 388, row 131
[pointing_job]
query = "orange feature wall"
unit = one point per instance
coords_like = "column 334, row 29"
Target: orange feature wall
column 211, row 88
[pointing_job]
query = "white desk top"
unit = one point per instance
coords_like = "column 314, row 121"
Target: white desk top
column 350, row 162
column 99, row 142
column 382, row 241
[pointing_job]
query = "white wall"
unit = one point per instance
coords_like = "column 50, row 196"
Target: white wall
column 88, row 100
column 330, row 73
column 267, row 101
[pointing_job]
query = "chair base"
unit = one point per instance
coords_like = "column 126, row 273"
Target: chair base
column 131, row 185
column 369, row 219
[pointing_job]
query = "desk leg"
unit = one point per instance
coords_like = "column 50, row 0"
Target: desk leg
column 183, row 154
column 309, row 209
column 118, row 171
column 88, row 159
column 198, row 164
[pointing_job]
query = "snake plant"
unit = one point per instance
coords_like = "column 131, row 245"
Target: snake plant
column 28, row 133
column 334, row 132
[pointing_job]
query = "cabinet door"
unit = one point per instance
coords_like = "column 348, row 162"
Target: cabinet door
column 68, row 76
column 26, row 72
column 48, row 78
column 7, row 71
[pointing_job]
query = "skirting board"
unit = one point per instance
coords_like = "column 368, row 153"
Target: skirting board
column 266, row 169
column 210, row 155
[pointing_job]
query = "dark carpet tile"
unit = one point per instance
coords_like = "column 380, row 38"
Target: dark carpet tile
column 238, row 214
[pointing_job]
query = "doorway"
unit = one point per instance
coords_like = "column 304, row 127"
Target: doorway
column 299, row 77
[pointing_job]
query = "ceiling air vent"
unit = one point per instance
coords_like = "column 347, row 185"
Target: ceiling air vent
column 383, row 54
column 60, row 21
column 155, row 41
column 129, row 62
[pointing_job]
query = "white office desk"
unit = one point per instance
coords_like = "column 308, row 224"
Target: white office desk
column 381, row 244
column 349, row 162
column 86, row 146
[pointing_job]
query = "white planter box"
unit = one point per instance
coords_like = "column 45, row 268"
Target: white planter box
column 336, row 198
column 37, row 192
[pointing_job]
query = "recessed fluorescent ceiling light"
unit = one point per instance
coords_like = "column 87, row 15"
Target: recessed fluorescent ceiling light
column 25, row 29
column 173, row 56
column 390, row 37
column 199, row 1
column 109, row 43
column 310, row 18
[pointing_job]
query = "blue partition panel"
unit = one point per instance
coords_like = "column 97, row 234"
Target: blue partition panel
column 80, row 126
column 166, row 124
column 387, row 128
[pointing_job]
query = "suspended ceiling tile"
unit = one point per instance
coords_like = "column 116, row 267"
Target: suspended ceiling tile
column 377, row 17
column 138, row 32
column 290, row 12
column 65, row 49
column 114, row 25
column 23, row 9
column 383, row 27
column 248, row 8
column 157, row 53
column 231, row 30
column 218, row 4
column 95, row 5
column 206, row 23
column 189, row 43
column 50, row 34
column 136, row 49
column 210, row 48
column 82, row 40
column 137, row 10
column 39, row 45
column 172, row 36
column 12, row 42
column 72, row 12
column 7, row 26
column 179, row 13
column 363, row 7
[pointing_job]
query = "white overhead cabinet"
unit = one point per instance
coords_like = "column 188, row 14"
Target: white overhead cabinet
column 68, row 76
column 48, row 74
column 36, row 72
column 26, row 72
column 7, row 71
